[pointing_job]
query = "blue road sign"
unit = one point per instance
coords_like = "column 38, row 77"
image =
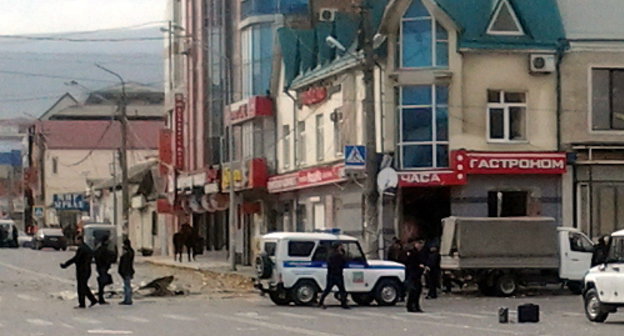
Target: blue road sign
column 355, row 157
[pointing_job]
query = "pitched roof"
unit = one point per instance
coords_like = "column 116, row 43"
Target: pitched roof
column 540, row 20
column 98, row 134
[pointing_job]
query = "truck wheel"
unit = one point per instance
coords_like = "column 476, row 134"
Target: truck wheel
column 387, row 292
column 506, row 285
column 362, row 299
column 593, row 308
column 280, row 297
column 304, row 293
column 576, row 287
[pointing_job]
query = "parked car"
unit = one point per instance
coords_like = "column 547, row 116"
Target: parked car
column 8, row 233
column 604, row 283
column 293, row 267
column 24, row 240
column 49, row 237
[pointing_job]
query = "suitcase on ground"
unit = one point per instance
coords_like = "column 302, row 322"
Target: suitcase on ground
column 528, row 313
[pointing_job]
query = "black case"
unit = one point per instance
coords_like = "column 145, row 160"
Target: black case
column 528, row 313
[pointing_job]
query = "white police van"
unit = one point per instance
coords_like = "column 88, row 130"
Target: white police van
column 292, row 267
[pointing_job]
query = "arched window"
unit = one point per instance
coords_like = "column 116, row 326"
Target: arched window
column 423, row 42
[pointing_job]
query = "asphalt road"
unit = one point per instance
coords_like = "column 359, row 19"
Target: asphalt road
column 30, row 304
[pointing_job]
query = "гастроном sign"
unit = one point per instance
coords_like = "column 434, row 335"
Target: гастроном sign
column 70, row 202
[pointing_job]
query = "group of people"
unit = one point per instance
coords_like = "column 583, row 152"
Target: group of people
column 416, row 259
column 104, row 258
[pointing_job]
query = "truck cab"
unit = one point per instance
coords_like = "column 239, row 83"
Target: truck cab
column 604, row 284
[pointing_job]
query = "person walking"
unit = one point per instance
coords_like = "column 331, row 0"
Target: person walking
column 82, row 260
column 335, row 266
column 433, row 278
column 416, row 261
column 126, row 270
column 395, row 250
column 601, row 251
column 104, row 258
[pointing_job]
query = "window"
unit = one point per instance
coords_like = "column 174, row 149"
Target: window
column 338, row 138
column 301, row 145
column 423, row 41
column 322, row 251
column 237, row 143
column 257, row 59
column 154, row 224
column 423, row 141
column 607, row 99
column 353, row 252
column 286, row 145
column 269, row 248
column 506, row 116
column 247, row 140
column 507, row 203
column 300, row 248
column 320, row 138
column 54, row 165
column 504, row 21
column 616, row 251
column 579, row 243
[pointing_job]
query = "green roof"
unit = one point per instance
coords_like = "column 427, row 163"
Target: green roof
column 540, row 20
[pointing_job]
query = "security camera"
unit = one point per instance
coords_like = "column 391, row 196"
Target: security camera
column 333, row 43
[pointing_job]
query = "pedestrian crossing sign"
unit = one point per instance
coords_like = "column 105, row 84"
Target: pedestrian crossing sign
column 355, row 157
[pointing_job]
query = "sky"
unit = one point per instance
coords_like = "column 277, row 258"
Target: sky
column 54, row 16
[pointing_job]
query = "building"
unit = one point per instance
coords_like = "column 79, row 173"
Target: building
column 592, row 80
column 15, row 171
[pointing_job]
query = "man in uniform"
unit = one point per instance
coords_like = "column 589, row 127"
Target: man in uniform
column 335, row 265
column 415, row 268
column 82, row 260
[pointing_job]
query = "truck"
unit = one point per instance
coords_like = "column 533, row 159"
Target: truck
column 502, row 253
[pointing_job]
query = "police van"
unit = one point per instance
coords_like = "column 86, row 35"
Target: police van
column 292, row 267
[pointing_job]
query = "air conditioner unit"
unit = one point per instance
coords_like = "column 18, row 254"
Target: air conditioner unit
column 542, row 63
column 327, row 14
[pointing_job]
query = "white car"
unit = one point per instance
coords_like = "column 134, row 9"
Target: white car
column 293, row 267
column 604, row 284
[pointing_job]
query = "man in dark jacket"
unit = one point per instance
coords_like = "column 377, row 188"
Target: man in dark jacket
column 104, row 257
column 335, row 265
column 416, row 261
column 435, row 272
column 82, row 260
column 126, row 270
column 601, row 251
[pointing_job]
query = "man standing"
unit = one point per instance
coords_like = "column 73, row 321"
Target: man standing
column 335, row 265
column 82, row 260
column 433, row 278
column 415, row 268
column 126, row 270
column 103, row 259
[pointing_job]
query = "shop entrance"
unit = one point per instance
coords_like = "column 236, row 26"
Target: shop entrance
column 423, row 210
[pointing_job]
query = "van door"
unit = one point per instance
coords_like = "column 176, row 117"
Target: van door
column 576, row 254
column 354, row 273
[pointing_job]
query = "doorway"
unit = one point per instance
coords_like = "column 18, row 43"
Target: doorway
column 423, row 211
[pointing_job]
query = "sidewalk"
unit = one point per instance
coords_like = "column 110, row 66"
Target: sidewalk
column 215, row 262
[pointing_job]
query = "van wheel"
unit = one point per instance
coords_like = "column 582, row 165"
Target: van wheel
column 593, row 308
column 576, row 287
column 506, row 285
column 364, row 299
column 280, row 297
column 304, row 293
column 387, row 292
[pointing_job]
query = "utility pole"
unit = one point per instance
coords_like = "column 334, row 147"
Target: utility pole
column 123, row 157
column 370, row 186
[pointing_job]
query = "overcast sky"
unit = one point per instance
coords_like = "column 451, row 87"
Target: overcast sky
column 53, row 16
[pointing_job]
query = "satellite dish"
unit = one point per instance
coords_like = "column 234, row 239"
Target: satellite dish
column 387, row 178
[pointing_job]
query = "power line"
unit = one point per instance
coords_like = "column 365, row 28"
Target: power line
column 68, row 39
column 31, row 74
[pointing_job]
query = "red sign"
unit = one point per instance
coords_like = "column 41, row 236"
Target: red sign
column 257, row 173
column 163, row 206
column 248, row 109
column 509, row 162
column 313, row 96
column 180, row 105
column 165, row 154
column 306, row 178
column 432, row 178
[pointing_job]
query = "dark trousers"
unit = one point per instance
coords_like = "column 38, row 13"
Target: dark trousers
column 433, row 282
column 414, row 292
column 84, row 290
column 338, row 281
column 103, row 280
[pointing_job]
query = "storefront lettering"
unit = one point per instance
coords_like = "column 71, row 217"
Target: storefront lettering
column 421, row 178
column 306, row 178
column 517, row 163
column 179, row 130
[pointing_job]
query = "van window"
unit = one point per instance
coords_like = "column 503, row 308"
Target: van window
column 616, row 252
column 578, row 243
column 322, row 251
column 269, row 248
column 353, row 252
column 300, row 248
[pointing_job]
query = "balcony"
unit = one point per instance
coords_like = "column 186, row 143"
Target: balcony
column 268, row 7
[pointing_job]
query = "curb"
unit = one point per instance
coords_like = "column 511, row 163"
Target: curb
column 194, row 268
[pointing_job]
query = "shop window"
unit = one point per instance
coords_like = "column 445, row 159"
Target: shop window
column 257, row 59
column 578, row 243
column 301, row 144
column 423, row 42
column 507, row 203
column 423, row 126
column 607, row 99
column 506, row 116
column 320, row 138
column 300, row 248
column 301, row 220
column 505, row 21
column 286, row 145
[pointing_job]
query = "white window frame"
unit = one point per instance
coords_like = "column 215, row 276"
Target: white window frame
column 338, row 136
column 506, row 121
column 286, row 146
column 301, row 144
column 248, row 144
column 590, row 101
column 434, row 138
column 490, row 30
column 319, row 126
column 434, row 41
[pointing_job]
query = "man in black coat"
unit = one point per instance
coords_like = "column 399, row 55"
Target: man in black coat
column 335, row 266
column 126, row 270
column 416, row 261
column 82, row 260
column 104, row 258
column 435, row 272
